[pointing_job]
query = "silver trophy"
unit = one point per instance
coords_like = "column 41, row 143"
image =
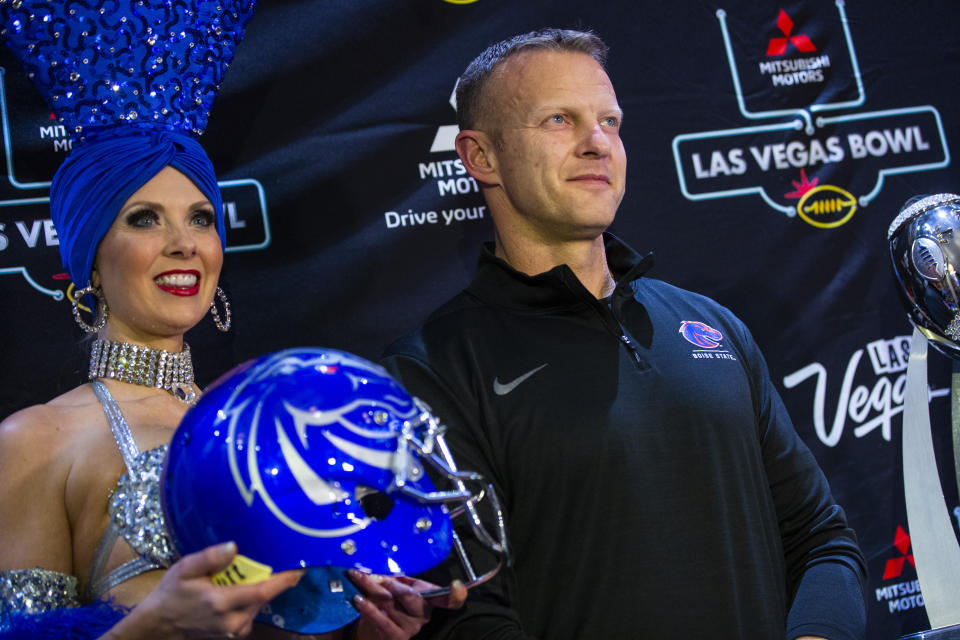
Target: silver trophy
column 924, row 243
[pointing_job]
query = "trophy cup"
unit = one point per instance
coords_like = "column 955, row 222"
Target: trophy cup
column 924, row 243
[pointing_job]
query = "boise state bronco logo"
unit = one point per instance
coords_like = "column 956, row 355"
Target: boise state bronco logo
column 700, row 334
column 347, row 418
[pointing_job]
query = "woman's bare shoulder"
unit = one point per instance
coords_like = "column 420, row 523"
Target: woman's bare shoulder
column 54, row 423
column 38, row 446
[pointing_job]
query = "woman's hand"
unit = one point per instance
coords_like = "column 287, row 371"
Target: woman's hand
column 393, row 609
column 186, row 604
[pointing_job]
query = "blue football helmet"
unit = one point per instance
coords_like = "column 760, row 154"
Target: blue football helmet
column 314, row 458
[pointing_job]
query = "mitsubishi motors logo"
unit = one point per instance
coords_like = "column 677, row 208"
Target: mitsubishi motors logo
column 894, row 568
column 905, row 595
column 778, row 46
column 449, row 176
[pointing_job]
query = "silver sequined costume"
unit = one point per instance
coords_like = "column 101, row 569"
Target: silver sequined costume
column 37, row 590
column 135, row 514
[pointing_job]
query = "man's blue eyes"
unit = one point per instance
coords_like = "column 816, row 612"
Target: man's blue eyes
column 608, row 122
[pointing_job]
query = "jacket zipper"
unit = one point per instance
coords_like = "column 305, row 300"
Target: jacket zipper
column 631, row 347
column 616, row 327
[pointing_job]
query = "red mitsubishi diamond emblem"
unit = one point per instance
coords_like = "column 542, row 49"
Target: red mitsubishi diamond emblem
column 778, row 46
column 895, row 565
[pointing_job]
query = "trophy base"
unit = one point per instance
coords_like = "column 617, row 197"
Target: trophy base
column 943, row 633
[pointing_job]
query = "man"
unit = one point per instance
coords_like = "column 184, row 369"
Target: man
column 649, row 491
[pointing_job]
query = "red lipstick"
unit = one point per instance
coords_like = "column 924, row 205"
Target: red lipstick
column 179, row 282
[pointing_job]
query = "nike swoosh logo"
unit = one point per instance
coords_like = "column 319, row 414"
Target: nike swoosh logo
column 502, row 389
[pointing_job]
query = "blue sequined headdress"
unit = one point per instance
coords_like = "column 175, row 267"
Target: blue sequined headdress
column 133, row 81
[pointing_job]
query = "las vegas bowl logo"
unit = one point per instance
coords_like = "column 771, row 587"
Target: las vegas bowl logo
column 700, row 334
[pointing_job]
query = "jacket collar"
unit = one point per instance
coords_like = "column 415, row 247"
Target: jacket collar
column 499, row 284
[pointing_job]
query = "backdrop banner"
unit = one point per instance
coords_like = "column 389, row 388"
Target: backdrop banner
column 770, row 145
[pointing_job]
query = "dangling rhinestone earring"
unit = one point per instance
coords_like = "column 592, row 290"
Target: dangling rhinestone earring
column 98, row 323
column 222, row 324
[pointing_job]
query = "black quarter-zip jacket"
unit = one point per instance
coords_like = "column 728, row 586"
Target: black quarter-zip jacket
column 653, row 484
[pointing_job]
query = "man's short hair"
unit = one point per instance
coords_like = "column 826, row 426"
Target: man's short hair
column 470, row 86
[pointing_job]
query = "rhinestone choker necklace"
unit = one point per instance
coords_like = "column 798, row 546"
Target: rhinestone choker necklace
column 156, row 368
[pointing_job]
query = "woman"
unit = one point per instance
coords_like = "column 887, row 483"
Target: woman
column 155, row 273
